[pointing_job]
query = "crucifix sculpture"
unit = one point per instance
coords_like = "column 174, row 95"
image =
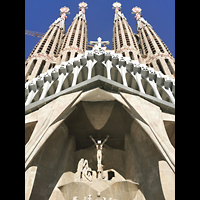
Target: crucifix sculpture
column 99, row 42
column 99, row 147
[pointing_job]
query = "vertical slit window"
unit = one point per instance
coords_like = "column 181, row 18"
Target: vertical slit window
column 41, row 67
column 160, row 66
column 169, row 66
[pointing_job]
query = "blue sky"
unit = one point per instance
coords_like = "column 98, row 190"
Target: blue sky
column 40, row 14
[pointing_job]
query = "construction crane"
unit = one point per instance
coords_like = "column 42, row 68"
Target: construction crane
column 34, row 33
column 40, row 35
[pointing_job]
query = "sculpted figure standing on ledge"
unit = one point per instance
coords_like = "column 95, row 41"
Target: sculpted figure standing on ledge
column 99, row 147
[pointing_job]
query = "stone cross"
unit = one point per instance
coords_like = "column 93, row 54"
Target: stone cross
column 99, row 42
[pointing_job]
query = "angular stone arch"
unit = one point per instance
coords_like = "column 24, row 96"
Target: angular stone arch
column 37, row 95
column 163, row 94
column 131, row 81
column 52, row 88
column 99, row 69
column 83, row 75
column 68, row 81
column 29, row 127
column 147, row 87
column 116, row 75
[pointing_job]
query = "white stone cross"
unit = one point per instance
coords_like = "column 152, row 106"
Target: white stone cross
column 99, row 42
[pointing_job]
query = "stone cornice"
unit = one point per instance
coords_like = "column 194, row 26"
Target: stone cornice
column 42, row 86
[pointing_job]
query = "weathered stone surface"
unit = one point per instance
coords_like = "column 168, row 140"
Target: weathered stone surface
column 136, row 164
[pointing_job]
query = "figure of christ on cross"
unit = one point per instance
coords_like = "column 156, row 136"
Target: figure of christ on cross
column 99, row 147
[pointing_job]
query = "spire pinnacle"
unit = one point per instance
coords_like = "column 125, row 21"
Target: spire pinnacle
column 63, row 11
column 138, row 17
column 117, row 6
column 137, row 11
column 61, row 20
column 82, row 7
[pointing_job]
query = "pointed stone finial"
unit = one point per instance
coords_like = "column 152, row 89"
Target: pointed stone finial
column 138, row 17
column 63, row 11
column 117, row 6
column 137, row 11
column 82, row 7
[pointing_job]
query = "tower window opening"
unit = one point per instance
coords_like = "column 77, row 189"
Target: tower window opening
column 68, row 55
column 115, row 43
column 118, row 27
column 166, row 48
column 32, row 66
column 71, row 40
column 134, row 42
column 78, row 40
column 55, row 32
column 127, row 39
column 84, row 44
column 41, row 67
column 49, row 47
column 124, row 26
column 145, row 47
column 152, row 47
column 49, row 32
column 169, row 66
column 51, row 65
column 120, row 38
column 56, row 48
column 159, row 46
column 111, row 174
column 41, row 46
column 156, row 40
column 160, row 66
column 131, row 55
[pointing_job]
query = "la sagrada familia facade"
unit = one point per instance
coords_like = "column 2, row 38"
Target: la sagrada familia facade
column 100, row 123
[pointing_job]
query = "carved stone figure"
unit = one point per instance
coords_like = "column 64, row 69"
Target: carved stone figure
column 99, row 147
column 84, row 172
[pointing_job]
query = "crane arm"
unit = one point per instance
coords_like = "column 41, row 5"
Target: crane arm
column 34, row 33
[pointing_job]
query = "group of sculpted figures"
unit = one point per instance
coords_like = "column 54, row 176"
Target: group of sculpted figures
column 83, row 169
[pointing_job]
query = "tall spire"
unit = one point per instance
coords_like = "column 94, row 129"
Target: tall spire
column 44, row 55
column 117, row 7
column 157, row 54
column 141, row 22
column 75, row 40
column 124, row 40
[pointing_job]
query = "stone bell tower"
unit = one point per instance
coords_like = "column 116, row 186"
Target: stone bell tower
column 46, row 51
column 100, row 124
column 124, row 40
column 75, row 40
column 157, row 54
